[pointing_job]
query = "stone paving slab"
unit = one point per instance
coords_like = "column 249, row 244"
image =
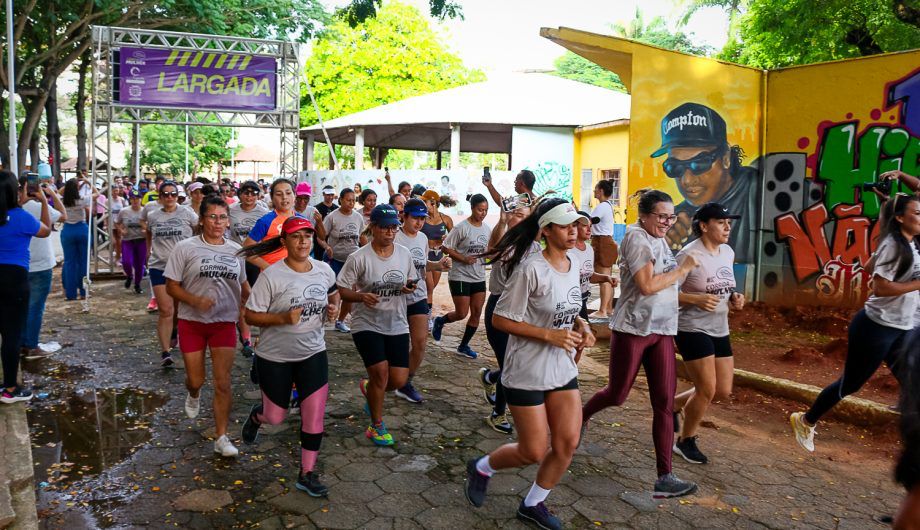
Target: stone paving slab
column 754, row 480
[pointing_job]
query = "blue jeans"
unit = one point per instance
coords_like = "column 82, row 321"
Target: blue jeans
column 74, row 238
column 39, row 287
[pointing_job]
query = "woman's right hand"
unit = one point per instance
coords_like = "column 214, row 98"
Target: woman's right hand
column 204, row 304
column 707, row 302
column 563, row 338
column 369, row 299
column 292, row 317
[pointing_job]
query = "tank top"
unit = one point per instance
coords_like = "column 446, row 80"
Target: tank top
column 435, row 231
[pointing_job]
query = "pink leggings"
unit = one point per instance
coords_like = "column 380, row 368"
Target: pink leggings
column 656, row 354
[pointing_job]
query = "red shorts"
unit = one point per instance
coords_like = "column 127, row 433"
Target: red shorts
column 196, row 336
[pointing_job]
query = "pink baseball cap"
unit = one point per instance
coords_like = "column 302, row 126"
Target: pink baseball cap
column 303, row 188
column 195, row 186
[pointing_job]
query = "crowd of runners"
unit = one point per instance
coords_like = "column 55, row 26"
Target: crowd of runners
column 223, row 260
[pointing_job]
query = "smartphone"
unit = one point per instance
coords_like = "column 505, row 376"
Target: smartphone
column 486, row 176
column 32, row 183
column 511, row 204
column 411, row 284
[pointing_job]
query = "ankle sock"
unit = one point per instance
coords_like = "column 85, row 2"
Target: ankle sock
column 536, row 495
column 482, row 465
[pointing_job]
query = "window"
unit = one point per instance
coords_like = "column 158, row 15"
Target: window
column 613, row 175
column 587, row 186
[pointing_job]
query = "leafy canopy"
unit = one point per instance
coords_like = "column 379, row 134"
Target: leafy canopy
column 163, row 148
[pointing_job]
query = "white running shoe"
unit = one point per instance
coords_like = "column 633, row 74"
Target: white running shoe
column 804, row 434
column 192, row 406
column 342, row 327
column 225, row 447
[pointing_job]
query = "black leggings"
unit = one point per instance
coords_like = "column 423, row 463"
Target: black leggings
column 870, row 344
column 498, row 340
column 14, row 292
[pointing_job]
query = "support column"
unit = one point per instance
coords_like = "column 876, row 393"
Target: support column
column 438, row 166
column 309, row 143
column 331, row 160
column 359, row 148
column 454, row 147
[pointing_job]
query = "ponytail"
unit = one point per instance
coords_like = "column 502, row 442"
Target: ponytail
column 513, row 246
column 266, row 246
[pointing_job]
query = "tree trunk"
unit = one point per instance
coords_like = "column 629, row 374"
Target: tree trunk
column 54, row 131
column 4, row 136
column 34, row 150
column 80, row 108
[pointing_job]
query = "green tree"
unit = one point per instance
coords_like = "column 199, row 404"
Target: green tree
column 388, row 58
column 163, row 148
column 577, row 68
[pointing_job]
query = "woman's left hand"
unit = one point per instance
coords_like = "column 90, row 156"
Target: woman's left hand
column 332, row 310
column 737, row 301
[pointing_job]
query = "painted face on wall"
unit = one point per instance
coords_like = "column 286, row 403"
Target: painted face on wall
column 701, row 173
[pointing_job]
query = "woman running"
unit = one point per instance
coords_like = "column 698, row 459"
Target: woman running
column 367, row 199
column 133, row 241
column 208, row 279
column 269, row 226
column 702, row 326
column 344, row 234
column 376, row 277
column 165, row 227
column 467, row 277
column 436, row 228
column 409, row 236
column 584, row 254
column 539, row 310
column 889, row 313
column 244, row 214
column 74, row 240
column 644, row 323
column 604, row 248
column 498, row 340
column 290, row 303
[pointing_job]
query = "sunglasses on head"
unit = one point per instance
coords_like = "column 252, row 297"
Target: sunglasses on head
column 697, row 165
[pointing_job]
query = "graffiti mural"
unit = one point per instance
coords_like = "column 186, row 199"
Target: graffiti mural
column 554, row 177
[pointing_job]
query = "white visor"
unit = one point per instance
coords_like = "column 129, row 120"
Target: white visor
column 564, row 214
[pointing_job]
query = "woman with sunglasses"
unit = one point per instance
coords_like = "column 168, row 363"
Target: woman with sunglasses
column 539, row 310
column 643, row 326
column 467, row 277
column 165, row 227
column 290, row 303
column 208, row 279
column 244, row 214
column 376, row 278
column 890, row 312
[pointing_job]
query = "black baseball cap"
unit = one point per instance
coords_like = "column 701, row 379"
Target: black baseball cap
column 713, row 210
column 691, row 125
column 250, row 185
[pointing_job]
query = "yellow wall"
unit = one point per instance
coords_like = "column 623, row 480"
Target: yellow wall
column 599, row 149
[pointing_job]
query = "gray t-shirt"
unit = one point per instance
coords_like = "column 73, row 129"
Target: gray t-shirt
column 468, row 240
column 131, row 220
column 76, row 213
column 166, row 229
column 585, row 260
column 241, row 222
column 498, row 280
column 544, row 297
column 151, row 206
column 343, row 232
column 713, row 275
column 894, row 311
column 635, row 313
column 418, row 249
column 367, row 272
column 213, row 271
column 280, row 289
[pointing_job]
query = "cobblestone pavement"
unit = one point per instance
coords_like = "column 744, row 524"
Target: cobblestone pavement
column 758, row 477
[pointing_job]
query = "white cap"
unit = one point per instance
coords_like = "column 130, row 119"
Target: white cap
column 564, row 214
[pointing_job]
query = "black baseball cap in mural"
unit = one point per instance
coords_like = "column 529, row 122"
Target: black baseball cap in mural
column 691, row 125
column 713, row 210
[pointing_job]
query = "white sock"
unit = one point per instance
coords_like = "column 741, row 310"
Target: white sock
column 482, row 465
column 535, row 496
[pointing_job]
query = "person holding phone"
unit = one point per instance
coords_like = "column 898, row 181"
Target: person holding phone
column 524, row 183
column 404, row 188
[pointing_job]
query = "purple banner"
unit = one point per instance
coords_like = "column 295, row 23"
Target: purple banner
column 197, row 79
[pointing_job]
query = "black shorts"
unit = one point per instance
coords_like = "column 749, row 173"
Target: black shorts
column 694, row 345
column 459, row 288
column 252, row 273
column 418, row 308
column 533, row 398
column 276, row 378
column 376, row 347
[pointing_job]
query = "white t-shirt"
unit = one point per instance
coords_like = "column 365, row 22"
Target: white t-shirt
column 166, row 229
column 241, row 222
column 367, row 272
column 604, row 212
column 894, row 311
column 636, row 313
column 41, row 251
column 585, row 260
column 468, row 240
column 544, row 297
column 418, row 249
column 713, row 275
column 280, row 289
column 343, row 232
column 214, row 271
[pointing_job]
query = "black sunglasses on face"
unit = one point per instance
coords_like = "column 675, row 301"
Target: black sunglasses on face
column 697, row 165
column 170, row 193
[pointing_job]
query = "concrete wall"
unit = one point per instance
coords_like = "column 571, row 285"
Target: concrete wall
column 597, row 149
column 547, row 151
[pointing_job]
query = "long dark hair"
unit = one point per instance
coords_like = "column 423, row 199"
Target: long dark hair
column 513, row 246
column 9, row 194
column 266, row 246
column 71, row 193
column 892, row 227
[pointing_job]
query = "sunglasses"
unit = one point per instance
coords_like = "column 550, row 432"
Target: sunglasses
column 170, row 193
column 697, row 165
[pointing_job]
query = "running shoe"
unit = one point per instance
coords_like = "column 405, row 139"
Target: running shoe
column 166, row 359
column 689, row 451
column 409, row 393
column 225, row 447
column 437, row 328
column 379, row 434
column 247, row 350
column 137, row 289
column 192, row 406
column 804, row 434
column 668, row 486
column 500, row 423
column 342, row 327
column 127, row 283
column 465, row 351
column 152, row 306
column 16, row 394
column 488, row 389
column 250, row 431
column 477, row 484
column 33, row 354
column 309, row 483
column 540, row 516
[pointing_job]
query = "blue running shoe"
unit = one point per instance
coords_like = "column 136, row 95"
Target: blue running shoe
column 437, row 328
column 540, row 516
column 466, row 351
column 409, row 393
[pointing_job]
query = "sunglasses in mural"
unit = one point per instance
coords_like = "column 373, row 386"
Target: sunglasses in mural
column 697, row 165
